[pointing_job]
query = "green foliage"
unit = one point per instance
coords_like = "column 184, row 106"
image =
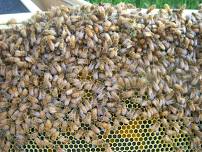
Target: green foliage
column 190, row 4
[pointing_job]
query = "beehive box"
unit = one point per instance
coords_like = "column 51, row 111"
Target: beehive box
column 137, row 136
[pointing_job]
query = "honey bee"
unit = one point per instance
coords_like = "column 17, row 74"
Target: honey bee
column 3, row 115
column 196, row 80
column 176, row 126
column 191, row 106
column 75, row 101
column 123, row 119
column 150, row 9
column 91, row 134
column 116, row 124
column 107, row 38
column 97, row 142
column 73, row 127
column 151, row 111
column 87, row 119
column 39, row 142
column 69, row 92
column 47, row 143
column 47, row 77
column 77, row 94
column 14, row 92
column 113, row 52
column 179, row 87
column 171, row 133
column 64, row 126
column 178, row 150
column 155, row 127
column 198, row 133
column 16, row 114
column 32, row 99
column 173, row 109
column 167, row 139
column 200, row 116
column 111, row 104
column 82, row 61
column 195, row 127
column 133, row 114
column 196, row 142
column 3, row 45
column 58, row 67
column 72, row 41
column 94, row 114
column 94, row 18
column 72, row 114
column 20, row 53
column 106, row 126
column 115, row 38
column 167, row 8
column 107, row 25
column 54, row 134
column 164, row 113
column 165, row 122
column 5, row 146
column 82, row 108
column 95, row 129
column 90, row 43
column 127, row 94
column 11, row 21
column 20, row 139
column 12, row 128
column 108, row 148
column 124, row 110
column 121, row 82
column 114, row 96
column 33, row 38
column 128, row 84
column 89, row 104
column 79, row 134
column 87, row 137
column 48, row 125
column 63, row 140
column 52, row 109
column 101, row 12
column 89, row 31
column 108, row 73
column 181, row 99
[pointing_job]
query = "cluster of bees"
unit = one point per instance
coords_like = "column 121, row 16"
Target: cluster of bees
column 51, row 63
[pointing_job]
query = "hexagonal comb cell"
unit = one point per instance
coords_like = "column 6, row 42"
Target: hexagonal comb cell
column 130, row 104
column 136, row 136
column 88, row 95
column 87, row 76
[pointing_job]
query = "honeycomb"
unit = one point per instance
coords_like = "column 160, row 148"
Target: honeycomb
column 134, row 137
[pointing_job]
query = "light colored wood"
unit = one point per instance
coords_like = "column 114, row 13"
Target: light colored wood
column 77, row 2
column 51, row 3
column 39, row 4
column 47, row 4
column 32, row 7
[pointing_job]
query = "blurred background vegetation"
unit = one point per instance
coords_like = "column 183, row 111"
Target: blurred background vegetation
column 190, row 4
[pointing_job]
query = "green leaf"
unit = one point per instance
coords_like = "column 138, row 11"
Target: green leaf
column 191, row 4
